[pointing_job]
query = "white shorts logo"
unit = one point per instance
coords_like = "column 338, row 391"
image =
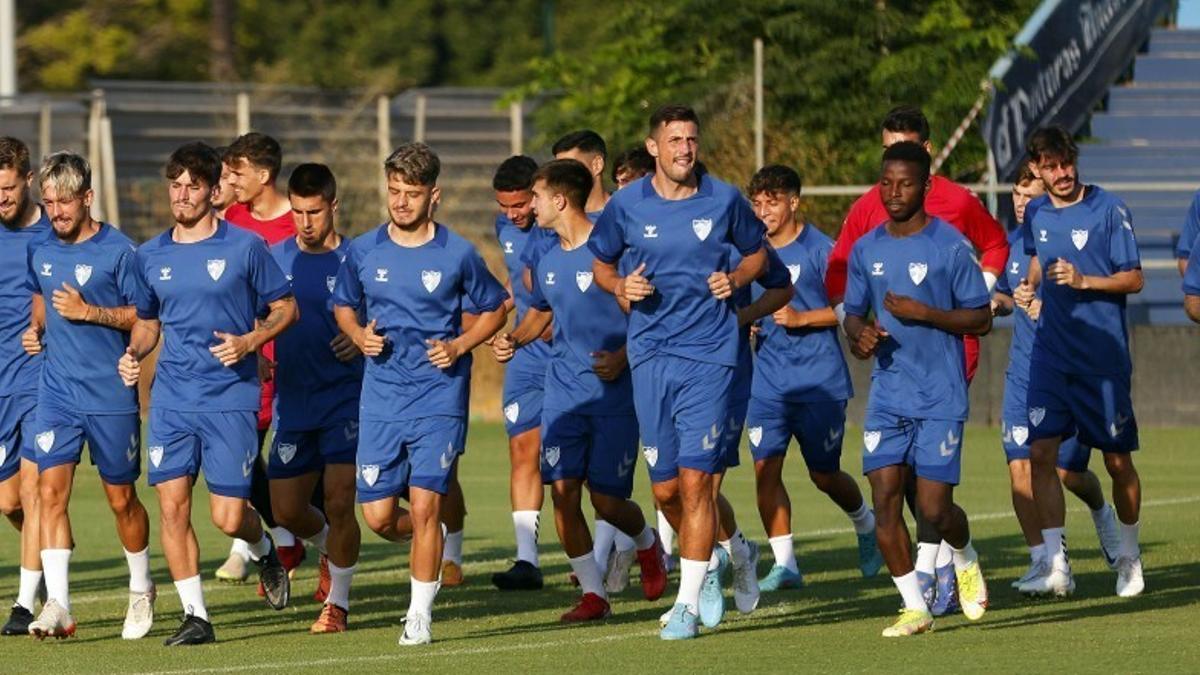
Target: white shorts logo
column 835, row 437
column 512, row 411
column 370, row 474
column 583, row 280
column 626, row 465
column 1020, row 435
column 755, row 434
column 1079, row 238
column 45, row 440
column 216, row 268
column 83, row 273
column 949, row 445
column 702, row 226
column 552, row 454
column 651, row 454
column 447, row 458
column 917, row 272
column 156, row 454
column 351, row 430
column 286, row 452
column 430, row 279
column 871, row 439
column 1036, row 415
column 794, row 272
column 131, row 451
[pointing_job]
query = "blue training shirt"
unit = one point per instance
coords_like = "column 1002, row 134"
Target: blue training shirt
column 1083, row 332
column 682, row 242
column 415, row 294
column 19, row 372
column 312, row 387
column 1021, row 347
column 801, row 365
column 920, row 370
column 194, row 289
column 586, row 320
column 1191, row 279
column 80, row 372
column 527, row 370
column 774, row 276
column 1190, row 232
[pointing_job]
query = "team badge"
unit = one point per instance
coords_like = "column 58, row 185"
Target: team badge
column 871, row 439
column 83, row 273
column 512, row 411
column 1079, row 238
column 651, row 454
column 430, row 279
column 156, row 454
column 370, row 474
column 794, row 272
column 702, row 226
column 949, row 445
column 552, row 454
column 45, row 440
column 216, row 268
column 583, row 280
column 330, row 282
column 1020, row 434
column 755, row 434
column 286, row 452
column 917, row 272
column 1036, row 415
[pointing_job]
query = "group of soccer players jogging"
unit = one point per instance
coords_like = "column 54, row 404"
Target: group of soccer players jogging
column 661, row 320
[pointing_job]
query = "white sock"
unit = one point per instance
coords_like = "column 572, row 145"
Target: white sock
column 139, row 571
column 623, row 542
column 423, row 593
column 603, row 542
column 452, row 550
column 590, row 580
column 240, row 548
column 525, row 523
column 737, row 547
column 318, row 539
column 945, row 554
column 282, row 537
column 963, row 557
column 1129, row 541
column 27, row 591
column 926, row 558
column 1056, row 547
column 55, row 563
column 665, row 532
column 785, row 553
column 644, row 540
column 1037, row 553
column 1100, row 515
column 339, row 585
column 191, row 596
column 261, row 548
column 713, row 561
column 691, row 577
column 863, row 519
column 910, row 591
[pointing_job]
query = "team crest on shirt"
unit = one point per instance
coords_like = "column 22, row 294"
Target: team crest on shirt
column 917, row 272
column 871, row 439
column 550, row 281
column 508, row 247
column 286, row 452
column 583, row 280
column 45, row 440
column 370, row 474
column 1036, row 415
column 1079, row 238
column 430, row 279
column 83, row 273
column 651, row 454
column 552, row 454
column 46, row 267
column 755, row 434
column 156, row 454
column 702, row 226
column 877, row 269
column 512, row 411
column 1020, row 434
column 948, row 446
column 651, row 232
column 216, row 268
column 794, row 272
column 164, row 274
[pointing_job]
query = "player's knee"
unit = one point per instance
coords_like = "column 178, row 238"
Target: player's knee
column 606, row 506
column 667, row 494
column 339, row 505
column 1043, row 455
column 566, row 494
column 122, row 502
column 10, row 505
column 1120, row 466
column 822, row 480
column 229, row 519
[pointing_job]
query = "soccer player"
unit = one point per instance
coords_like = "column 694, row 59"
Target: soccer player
column 319, row 372
column 675, row 227
column 86, row 276
column 408, row 278
column 1188, row 235
column 589, row 428
column 250, row 169
column 1191, row 287
column 201, row 284
column 1072, row 456
column 223, row 193
column 589, row 149
column 810, row 404
column 1085, row 261
column 25, row 227
column 960, row 208
column 918, row 275
column 524, row 376
column 631, row 165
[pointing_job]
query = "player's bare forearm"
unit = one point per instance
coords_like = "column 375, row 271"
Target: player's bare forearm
column 1035, row 272
column 1191, row 305
column 1121, row 283
column 820, row 318
column 606, row 276
column 483, row 329
column 283, row 313
column 768, row 303
column 143, row 337
column 347, row 321
column 750, row 268
column 854, row 326
column 1002, row 304
column 37, row 312
column 1181, row 263
column 533, row 324
column 121, row 318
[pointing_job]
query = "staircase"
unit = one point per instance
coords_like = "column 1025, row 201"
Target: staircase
column 1150, row 133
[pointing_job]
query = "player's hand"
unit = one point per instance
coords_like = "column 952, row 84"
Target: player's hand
column 31, row 341
column 1035, row 309
column 904, row 307
column 233, row 348
column 786, row 317
column 129, row 368
column 608, row 365
column 69, row 303
column 503, row 347
column 721, row 284
column 1065, row 274
column 635, row 287
column 344, row 348
column 370, row 343
column 442, row 353
column 266, row 369
column 867, row 342
column 1024, row 294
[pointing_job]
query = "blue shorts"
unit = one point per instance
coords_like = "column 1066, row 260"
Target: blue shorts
column 16, row 432
column 933, row 448
column 682, row 409
column 731, row 442
column 222, row 444
column 601, row 449
column 114, row 442
column 396, row 455
column 295, row 453
column 1095, row 408
column 817, row 426
column 523, row 412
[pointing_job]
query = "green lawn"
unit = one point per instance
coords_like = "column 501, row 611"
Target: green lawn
column 833, row 624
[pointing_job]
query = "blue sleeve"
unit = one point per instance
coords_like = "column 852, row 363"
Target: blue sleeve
column 145, row 298
column 127, row 277
column 1002, row 286
column 1122, row 244
column 536, row 244
column 31, row 280
column 479, row 286
column 1190, row 230
column 776, row 275
column 967, row 279
column 746, row 231
column 1027, row 234
column 266, row 277
column 537, row 299
column 607, row 242
column 1191, row 278
column 348, row 290
column 857, row 300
